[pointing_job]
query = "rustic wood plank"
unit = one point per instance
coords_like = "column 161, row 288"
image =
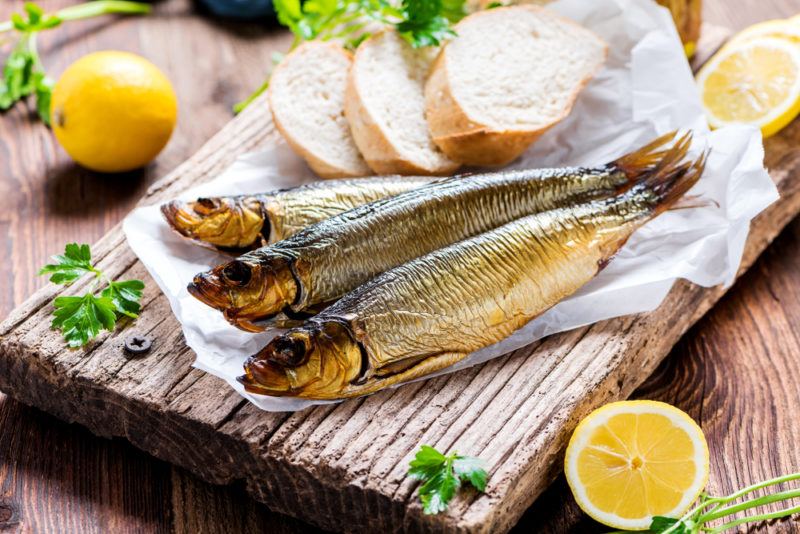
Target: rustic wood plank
column 345, row 464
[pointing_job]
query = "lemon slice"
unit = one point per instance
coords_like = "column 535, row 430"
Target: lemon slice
column 756, row 81
column 781, row 28
column 632, row 460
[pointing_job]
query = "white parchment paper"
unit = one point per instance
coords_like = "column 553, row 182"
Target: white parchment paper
column 645, row 89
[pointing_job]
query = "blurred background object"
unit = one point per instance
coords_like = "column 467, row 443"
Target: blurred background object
column 687, row 15
column 240, row 9
column 688, row 18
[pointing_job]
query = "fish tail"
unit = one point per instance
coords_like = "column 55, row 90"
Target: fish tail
column 671, row 182
column 645, row 160
column 667, row 174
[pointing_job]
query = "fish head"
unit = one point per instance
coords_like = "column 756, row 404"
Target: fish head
column 234, row 222
column 317, row 361
column 246, row 289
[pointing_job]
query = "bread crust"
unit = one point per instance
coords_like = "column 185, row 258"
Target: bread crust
column 380, row 153
column 469, row 141
column 323, row 167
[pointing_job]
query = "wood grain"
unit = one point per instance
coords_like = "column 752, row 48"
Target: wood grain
column 48, row 494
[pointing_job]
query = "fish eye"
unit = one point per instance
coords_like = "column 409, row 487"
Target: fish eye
column 288, row 350
column 206, row 206
column 237, row 273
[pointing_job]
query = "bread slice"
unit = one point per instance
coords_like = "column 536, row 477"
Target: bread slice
column 385, row 106
column 306, row 96
column 512, row 73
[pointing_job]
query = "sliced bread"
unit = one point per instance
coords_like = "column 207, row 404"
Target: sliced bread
column 306, row 97
column 511, row 74
column 385, row 106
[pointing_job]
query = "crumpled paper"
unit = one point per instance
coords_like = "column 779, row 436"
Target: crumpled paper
column 646, row 89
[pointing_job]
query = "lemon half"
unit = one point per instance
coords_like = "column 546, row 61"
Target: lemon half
column 632, row 460
column 754, row 81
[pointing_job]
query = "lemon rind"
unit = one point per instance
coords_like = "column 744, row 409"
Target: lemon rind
column 580, row 439
column 781, row 115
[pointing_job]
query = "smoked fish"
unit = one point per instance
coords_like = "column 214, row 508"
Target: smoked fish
column 435, row 310
column 246, row 222
column 323, row 262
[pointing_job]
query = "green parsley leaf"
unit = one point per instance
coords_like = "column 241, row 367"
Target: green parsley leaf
column 439, row 490
column 426, row 463
column 34, row 13
column 50, row 22
column 74, row 263
column 81, row 318
column 423, row 25
column 125, row 296
column 43, row 87
column 442, row 476
column 454, row 10
column 19, row 22
column 675, row 526
column 289, row 12
column 17, row 77
column 472, row 470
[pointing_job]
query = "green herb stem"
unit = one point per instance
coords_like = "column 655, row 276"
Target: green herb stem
column 755, row 487
column 93, row 9
column 753, row 503
column 756, row 518
column 711, row 509
column 249, row 100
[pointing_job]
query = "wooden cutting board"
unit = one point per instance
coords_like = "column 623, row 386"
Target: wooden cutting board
column 343, row 466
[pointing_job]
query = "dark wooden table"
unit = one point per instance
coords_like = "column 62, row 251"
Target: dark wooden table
column 737, row 372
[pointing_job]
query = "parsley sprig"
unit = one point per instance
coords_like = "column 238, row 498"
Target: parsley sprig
column 81, row 318
column 710, row 509
column 420, row 22
column 23, row 72
column 442, row 476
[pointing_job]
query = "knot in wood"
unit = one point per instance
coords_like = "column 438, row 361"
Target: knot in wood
column 8, row 514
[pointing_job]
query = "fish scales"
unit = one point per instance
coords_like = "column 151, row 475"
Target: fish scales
column 389, row 232
column 435, row 310
column 445, row 316
column 295, row 209
column 328, row 259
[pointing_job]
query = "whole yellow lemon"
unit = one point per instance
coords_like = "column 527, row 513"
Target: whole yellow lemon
column 113, row 111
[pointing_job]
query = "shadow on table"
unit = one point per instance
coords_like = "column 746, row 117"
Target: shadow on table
column 73, row 190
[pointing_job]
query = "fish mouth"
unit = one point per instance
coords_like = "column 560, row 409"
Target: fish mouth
column 181, row 216
column 208, row 293
column 232, row 226
column 317, row 361
column 246, row 293
column 272, row 379
column 272, row 370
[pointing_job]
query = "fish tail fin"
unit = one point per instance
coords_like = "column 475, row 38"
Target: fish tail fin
column 672, row 181
column 662, row 188
column 645, row 160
